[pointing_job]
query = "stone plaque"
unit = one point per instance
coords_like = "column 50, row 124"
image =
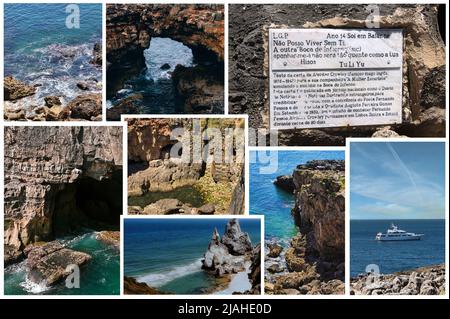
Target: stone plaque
column 335, row 77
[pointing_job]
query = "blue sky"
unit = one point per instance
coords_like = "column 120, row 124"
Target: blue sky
column 397, row 180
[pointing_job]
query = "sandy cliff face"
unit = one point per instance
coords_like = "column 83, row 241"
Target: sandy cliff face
column 57, row 179
column 423, row 90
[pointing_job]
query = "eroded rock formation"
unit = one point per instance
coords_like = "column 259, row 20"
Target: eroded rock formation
column 320, row 205
column 129, row 30
column 230, row 254
column 423, row 281
column 168, row 154
column 424, row 65
column 58, row 179
column 314, row 261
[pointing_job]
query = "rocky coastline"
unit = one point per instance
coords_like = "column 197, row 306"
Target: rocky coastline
column 312, row 262
column 428, row 280
column 200, row 27
column 60, row 181
column 159, row 164
column 21, row 105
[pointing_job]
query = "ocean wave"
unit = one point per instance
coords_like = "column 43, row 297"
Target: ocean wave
column 161, row 278
column 34, row 288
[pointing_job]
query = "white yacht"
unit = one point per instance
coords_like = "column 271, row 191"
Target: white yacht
column 395, row 234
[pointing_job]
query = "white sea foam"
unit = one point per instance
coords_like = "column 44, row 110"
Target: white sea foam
column 162, row 51
column 34, row 288
column 161, row 278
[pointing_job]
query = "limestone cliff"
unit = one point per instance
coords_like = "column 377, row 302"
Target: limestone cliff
column 207, row 154
column 314, row 261
column 320, row 205
column 424, row 66
column 58, row 179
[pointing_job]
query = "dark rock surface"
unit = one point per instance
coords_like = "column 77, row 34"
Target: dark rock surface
column 424, row 56
column 285, row 182
column 235, row 239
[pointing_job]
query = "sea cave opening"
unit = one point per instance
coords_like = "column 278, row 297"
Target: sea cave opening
column 88, row 203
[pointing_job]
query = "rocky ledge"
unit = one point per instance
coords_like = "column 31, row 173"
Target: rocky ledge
column 171, row 206
column 422, row 281
column 47, row 264
column 313, row 261
column 108, row 237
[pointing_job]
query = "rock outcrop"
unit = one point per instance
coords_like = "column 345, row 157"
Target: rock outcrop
column 229, row 254
column 285, row 182
column 129, row 28
column 320, row 205
column 314, row 261
column 423, row 56
column 218, row 259
column 47, row 264
column 235, row 239
column 15, row 89
column 132, row 287
column 109, row 237
column 84, row 107
column 58, row 179
column 423, row 281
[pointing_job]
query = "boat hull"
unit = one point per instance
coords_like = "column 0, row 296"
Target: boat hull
column 409, row 238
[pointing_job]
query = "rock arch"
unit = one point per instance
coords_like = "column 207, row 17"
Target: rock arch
column 130, row 28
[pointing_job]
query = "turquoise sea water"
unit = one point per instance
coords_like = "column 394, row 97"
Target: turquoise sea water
column 101, row 276
column 395, row 256
column 272, row 202
column 167, row 253
column 39, row 49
